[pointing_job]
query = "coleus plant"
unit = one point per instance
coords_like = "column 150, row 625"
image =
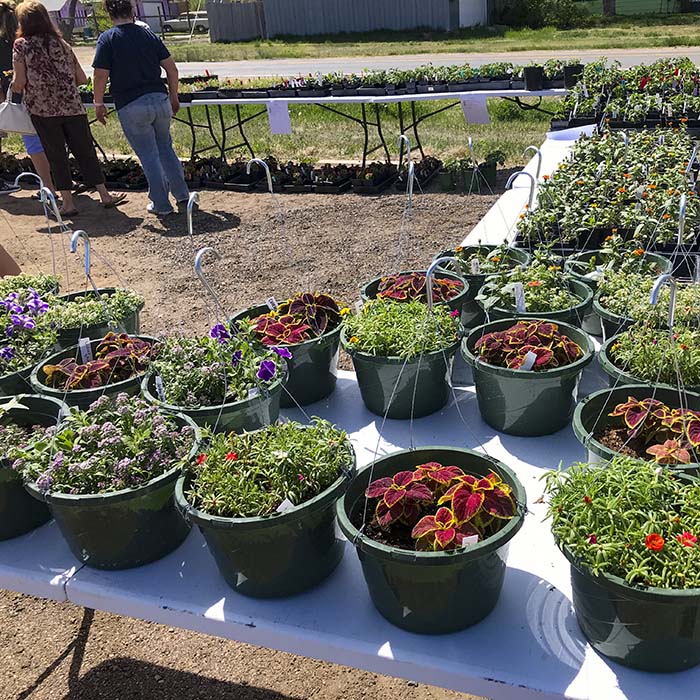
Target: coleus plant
column 510, row 348
column 445, row 507
column 305, row 316
column 411, row 285
column 117, row 358
column 671, row 434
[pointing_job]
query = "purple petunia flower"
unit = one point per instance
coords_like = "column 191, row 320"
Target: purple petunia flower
column 266, row 371
column 220, row 332
column 236, row 358
column 283, row 352
column 7, row 353
column 36, row 305
column 23, row 321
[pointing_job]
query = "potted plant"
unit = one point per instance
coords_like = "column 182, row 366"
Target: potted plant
column 648, row 355
column 224, row 380
column 428, row 519
column 476, row 263
column 641, row 421
column 22, row 417
column 573, row 72
column 265, row 503
column 306, row 330
column 527, row 373
column 108, row 476
column 41, row 283
column 534, row 76
column 629, row 531
column 80, row 375
column 448, row 289
column 93, row 314
column 29, row 337
column 402, row 355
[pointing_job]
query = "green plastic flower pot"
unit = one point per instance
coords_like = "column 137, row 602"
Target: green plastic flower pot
column 19, row 512
column 68, row 337
column 124, row 529
column 650, row 629
column 369, row 290
column 17, row 382
column 472, row 312
column 237, row 417
column 312, row 370
column 612, row 324
column 398, row 388
column 573, row 316
column 621, row 377
column 526, row 403
column 276, row 556
column 431, row 592
column 82, row 398
column 592, row 413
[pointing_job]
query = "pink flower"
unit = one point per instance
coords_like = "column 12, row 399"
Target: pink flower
column 592, row 539
column 454, row 313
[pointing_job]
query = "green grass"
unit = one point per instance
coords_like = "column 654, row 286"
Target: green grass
column 319, row 135
column 620, row 32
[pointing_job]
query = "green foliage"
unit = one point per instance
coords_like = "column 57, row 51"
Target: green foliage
column 629, row 519
column 252, row 474
column 92, row 309
column 42, row 283
column 535, row 14
column 403, row 329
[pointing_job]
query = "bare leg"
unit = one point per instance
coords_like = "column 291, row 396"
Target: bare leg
column 68, row 203
column 106, row 196
column 43, row 169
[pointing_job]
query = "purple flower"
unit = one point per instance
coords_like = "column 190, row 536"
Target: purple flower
column 44, row 482
column 236, row 358
column 7, row 353
column 36, row 305
column 23, row 321
column 266, row 371
column 220, row 332
column 283, row 352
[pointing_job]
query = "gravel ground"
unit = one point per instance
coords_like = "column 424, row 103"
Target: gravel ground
column 331, row 244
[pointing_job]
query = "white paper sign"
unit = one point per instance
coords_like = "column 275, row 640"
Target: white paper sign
column 519, row 294
column 475, row 111
column 278, row 116
column 85, row 350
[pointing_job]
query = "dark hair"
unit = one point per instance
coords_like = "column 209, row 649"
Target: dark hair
column 8, row 21
column 119, row 9
column 34, row 20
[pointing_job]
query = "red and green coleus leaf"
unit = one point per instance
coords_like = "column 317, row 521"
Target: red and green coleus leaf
column 441, row 531
column 634, row 412
column 399, row 497
column 692, row 431
column 434, row 471
column 412, row 286
column 473, row 497
column 319, row 311
column 670, row 452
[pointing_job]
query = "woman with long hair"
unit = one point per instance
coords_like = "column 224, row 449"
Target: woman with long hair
column 48, row 72
column 32, row 144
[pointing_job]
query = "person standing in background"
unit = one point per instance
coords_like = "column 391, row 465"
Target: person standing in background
column 32, row 144
column 48, row 72
column 131, row 57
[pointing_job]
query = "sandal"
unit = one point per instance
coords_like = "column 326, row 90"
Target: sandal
column 116, row 201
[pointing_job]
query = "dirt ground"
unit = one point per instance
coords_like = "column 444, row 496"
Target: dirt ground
column 328, row 243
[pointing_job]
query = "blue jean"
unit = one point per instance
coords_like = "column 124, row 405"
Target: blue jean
column 146, row 124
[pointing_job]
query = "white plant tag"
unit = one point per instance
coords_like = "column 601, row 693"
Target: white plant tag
column 519, row 294
column 240, row 578
column 285, row 505
column 469, row 540
column 160, row 389
column 272, row 304
column 585, row 90
column 85, row 350
column 475, row 266
column 358, row 306
column 252, row 393
column 530, row 360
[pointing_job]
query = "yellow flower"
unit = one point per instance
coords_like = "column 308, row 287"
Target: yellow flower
column 459, row 249
column 345, row 311
column 354, row 339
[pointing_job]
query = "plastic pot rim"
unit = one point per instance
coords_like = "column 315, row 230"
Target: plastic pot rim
column 110, row 291
column 200, row 517
column 571, row 331
column 386, row 552
column 481, row 277
column 93, row 499
column 44, row 390
column 439, row 275
column 609, row 315
column 242, row 403
column 584, row 255
column 394, row 359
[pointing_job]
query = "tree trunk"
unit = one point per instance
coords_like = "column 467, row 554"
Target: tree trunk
column 609, row 8
column 68, row 24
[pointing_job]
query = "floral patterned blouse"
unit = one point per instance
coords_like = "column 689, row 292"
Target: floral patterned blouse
column 51, row 89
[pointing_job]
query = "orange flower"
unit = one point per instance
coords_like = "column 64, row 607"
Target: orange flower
column 608, row 238
column 459, row 249
column 622, row 189
column 654, row 541
column 638, row 252
column 579, row 182
column 652, row 186
column 684, row 119
column 614, row 231
column 354, row 339
column 666, row 216
column 626, row 175
column 545, row 177
column 534, row 283
column 496, row 258
column 684, row 346
column 522, row 216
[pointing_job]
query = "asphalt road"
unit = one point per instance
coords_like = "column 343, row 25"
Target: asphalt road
column 303, row 66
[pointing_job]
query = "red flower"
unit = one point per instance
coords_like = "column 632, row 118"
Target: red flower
column 534, row 283
column 201, row 458
column 300, row 477
column 231, row 455
column 687, row 539
column 592, row 539
column 588, row 500
column 654, row 541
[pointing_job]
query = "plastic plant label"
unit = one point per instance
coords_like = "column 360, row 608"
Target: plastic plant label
column 160, row 389
column 469, row 540
column 285, row 505
column 85, row 350
column 358, row 307
column 252, row 393
column 529, row 362
column 240, row 579
column 406, row 611
column 585, row 90
column 519, row 294
column 272, row 304
column 475, row 266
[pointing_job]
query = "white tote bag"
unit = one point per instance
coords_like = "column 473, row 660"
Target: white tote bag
column 15, row 118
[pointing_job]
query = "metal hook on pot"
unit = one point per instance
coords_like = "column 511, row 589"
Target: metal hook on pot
column 405, row 141
column 538, row 153
column 691, row 162
column 431, row 273
column 533, row 185
column 47, row 197
column 26, row 174
column 472, row 155
column 681, row 218
column 202, row 278
column 656, row 290
column 86, row 242
column 191, row 203
column 265, row 167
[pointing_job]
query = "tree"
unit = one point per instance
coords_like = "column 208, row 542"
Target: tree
column 609, row 8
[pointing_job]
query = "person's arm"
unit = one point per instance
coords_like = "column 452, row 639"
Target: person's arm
column 19, row 67
column 99, row 79
column 173, row 77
